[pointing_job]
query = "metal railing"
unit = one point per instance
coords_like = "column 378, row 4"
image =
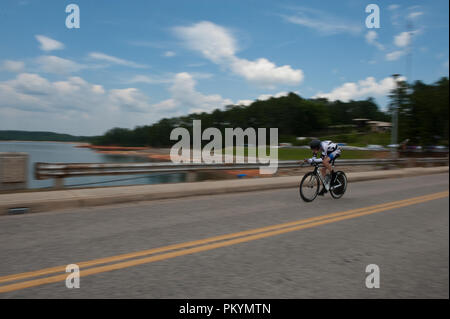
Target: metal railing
column 59, row 171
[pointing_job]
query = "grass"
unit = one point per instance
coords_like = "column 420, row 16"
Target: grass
column 353, row 138
column 285, row 154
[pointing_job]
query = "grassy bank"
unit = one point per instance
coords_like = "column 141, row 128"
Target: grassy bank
column 353, row 138
column 285, row 154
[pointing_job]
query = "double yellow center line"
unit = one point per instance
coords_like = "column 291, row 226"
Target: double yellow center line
column 156, row 254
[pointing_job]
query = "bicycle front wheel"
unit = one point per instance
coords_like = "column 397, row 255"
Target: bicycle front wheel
column 340, row 185
column 309, row 187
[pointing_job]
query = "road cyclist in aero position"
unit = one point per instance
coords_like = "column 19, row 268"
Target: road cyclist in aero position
column 335, row 182
column 329, row 152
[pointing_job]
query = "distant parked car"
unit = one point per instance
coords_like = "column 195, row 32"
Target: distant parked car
column 375, row 147
column 414, row 147
column 436, row 148
column 393, row 145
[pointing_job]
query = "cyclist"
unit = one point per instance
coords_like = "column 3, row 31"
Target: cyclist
column 330, row 151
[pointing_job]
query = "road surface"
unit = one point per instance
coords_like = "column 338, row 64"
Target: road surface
column 270, row 245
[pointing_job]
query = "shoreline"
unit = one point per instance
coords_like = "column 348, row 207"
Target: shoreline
column 112, row 147
column 140, row 151
column 27, row 141
column 144, row 152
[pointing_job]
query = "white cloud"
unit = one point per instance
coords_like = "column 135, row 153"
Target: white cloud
column 371, row 38
column 29, row 83
column 166, row 105
column 414, row 15
column 184, row 95
column 403, row 39
column 57, row 65
column 214, row 42
column 31, row 102
column 31, row 92
column 361, row 89
column 165, row 78
column 322, row 22
column 201, row 75
column 262, row 97
column 395, row 14
column 150, row 79
column 265, row 73
column 393, row 7
column 115, row 60
column 98, row 89
column 244, row 102
column 218, row 45
column 130, row 98
column 169, row 54
column 323, row 26
column 49, row 44
column 13, row 66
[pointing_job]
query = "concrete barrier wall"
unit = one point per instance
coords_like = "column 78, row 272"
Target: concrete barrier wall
column 13, row 171
column 60, row 199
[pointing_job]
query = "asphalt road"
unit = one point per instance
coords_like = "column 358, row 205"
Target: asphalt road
column 311, row 257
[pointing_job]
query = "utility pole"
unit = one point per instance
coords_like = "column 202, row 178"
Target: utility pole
column 394, row 129
column 409, row 29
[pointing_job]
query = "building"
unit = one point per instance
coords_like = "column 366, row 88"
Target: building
column 361, row 123
column 374, row 126
column 377, row 126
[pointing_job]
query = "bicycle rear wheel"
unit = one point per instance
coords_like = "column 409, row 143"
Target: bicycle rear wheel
column 340, row 185
column 309, row 187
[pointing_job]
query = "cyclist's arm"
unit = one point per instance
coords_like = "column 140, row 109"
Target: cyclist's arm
column 313, row 160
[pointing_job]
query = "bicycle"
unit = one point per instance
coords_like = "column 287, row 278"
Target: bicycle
column 310, row 184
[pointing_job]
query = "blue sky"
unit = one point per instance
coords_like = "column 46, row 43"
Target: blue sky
column 133, row 62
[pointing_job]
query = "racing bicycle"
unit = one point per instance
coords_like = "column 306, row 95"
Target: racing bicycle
column 311, row 182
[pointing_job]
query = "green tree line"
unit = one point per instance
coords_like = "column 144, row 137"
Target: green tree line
column 8, row 135
column 422, row 111
column 423, row 116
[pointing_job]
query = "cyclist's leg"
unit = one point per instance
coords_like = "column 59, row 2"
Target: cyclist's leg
column 333, row 157
column 326, row 163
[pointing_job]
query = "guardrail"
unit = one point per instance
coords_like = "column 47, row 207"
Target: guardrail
column 59, row 171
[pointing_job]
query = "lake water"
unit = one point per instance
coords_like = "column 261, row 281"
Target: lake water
column 54, row 152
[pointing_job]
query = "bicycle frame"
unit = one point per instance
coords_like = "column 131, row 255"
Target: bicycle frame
column 318, row 173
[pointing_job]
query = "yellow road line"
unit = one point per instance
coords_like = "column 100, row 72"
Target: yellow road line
column 319, row 221
column 122, row 257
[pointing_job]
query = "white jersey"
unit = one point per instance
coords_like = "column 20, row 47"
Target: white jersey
column 327, row 147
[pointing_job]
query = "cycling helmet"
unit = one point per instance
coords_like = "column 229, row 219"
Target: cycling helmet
column 315, row 144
